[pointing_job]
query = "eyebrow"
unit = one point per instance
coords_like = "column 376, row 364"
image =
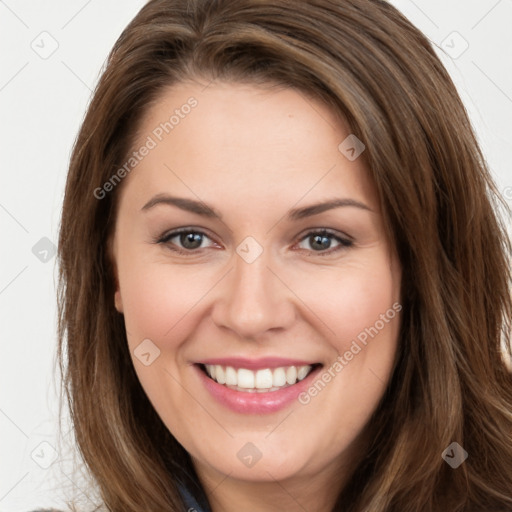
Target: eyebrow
column 201, row 208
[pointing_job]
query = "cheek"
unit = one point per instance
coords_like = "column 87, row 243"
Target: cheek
column 351, row 299
column 360, row 309
column 157, row 298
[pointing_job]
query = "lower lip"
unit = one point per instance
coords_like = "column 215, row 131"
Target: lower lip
column 255, row 403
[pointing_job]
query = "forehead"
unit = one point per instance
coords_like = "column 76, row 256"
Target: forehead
column 229, row 138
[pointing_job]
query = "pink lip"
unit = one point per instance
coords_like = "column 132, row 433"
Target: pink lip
column 256, row 364
column 254, row 403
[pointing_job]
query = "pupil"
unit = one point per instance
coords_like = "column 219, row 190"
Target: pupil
column 191, row 240
column 321, row 242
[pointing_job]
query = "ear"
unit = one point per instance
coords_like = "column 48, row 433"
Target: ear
column 118, row 302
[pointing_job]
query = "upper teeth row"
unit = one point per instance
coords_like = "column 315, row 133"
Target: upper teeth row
column 261, row 379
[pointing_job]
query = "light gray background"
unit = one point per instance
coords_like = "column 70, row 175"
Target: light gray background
column 42, row 101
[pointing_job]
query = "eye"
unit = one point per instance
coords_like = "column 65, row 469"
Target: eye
column 321, row 242
column 186, row 240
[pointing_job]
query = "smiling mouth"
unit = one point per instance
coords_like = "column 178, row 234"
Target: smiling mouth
column 260, row 381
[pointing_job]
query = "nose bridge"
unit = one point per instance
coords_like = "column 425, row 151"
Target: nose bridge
column 254, row 300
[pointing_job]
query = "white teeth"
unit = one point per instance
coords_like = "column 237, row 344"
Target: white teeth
column 231, row 378
column 220, row 375
column 263, row 379
column 279, row 377
column 210, row 368
column 266, row 379
column 245, row 378
column 291, row 375
column 302, row 372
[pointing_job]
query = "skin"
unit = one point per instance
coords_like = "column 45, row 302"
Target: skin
column 253, row 153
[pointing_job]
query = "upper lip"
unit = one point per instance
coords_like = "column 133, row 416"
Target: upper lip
column 256, row 364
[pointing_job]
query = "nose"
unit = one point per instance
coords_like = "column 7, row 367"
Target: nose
column 254, row 299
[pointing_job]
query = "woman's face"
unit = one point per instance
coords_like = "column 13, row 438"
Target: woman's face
column 270, row 281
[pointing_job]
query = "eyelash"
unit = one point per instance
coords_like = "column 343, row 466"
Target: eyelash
column 344, row 243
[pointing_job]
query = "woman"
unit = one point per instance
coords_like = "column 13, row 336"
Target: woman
column 284, row 281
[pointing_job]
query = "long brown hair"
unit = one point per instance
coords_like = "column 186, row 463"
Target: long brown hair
column 440, row 206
